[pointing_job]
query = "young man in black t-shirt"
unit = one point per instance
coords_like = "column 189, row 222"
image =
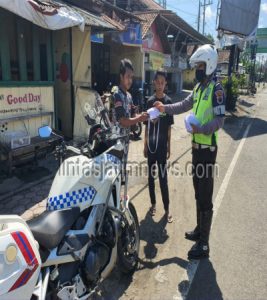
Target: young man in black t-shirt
column 157, row 146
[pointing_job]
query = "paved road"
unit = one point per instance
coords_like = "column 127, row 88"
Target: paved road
column 236, row 269
column 237, row 266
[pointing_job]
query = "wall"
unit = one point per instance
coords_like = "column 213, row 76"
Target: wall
column 25, row 51
column 188, row 79
column 81, row 57
column 72, row 50
column 63, row 91
column 223, row 67
column 189, row 76
column 119, row 52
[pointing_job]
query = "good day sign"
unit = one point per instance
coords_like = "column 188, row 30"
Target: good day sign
column 25, row 101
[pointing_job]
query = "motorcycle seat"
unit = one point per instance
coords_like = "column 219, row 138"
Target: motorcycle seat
column 50, row 227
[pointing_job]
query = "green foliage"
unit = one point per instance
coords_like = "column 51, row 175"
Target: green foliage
column 232, row 87
column 210, row 37
column 242, row 81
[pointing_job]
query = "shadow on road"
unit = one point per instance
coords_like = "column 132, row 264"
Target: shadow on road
column 113, row 287
column 246, row 103
column 204, row 285
column 153, row 233
column 259, row 127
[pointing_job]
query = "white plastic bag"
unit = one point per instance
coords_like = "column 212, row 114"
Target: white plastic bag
column 191, row 119
column 153, row 113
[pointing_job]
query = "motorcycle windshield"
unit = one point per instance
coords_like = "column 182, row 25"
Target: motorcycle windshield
column 88, row 112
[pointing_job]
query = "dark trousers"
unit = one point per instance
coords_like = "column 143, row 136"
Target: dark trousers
column 158, row 160
column 203, row 171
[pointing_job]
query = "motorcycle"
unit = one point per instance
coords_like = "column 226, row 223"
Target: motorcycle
column 87, row 228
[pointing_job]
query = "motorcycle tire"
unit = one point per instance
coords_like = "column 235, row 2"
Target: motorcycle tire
column 127, row 262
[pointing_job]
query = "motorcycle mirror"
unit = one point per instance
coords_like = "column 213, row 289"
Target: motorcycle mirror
column 45, row 131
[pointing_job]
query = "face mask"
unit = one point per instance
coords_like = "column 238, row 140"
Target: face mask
column 200, row 75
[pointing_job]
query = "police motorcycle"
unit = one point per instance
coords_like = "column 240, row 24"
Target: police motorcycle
column 87, row 229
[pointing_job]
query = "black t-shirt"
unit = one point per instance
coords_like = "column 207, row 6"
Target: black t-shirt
column 162, row 125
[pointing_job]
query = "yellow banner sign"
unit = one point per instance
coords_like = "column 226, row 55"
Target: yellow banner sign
column 156, row 60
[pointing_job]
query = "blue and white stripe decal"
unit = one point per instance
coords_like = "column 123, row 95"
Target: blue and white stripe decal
column 71, row 199
column 113, row 159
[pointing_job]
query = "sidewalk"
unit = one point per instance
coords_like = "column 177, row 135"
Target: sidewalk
column 25, row 193
column 26, row 176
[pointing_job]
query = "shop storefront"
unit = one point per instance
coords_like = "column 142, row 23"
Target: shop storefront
column 40, row 72
column 26, row 76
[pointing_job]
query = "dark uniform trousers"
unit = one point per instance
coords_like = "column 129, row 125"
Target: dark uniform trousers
column 203, row 171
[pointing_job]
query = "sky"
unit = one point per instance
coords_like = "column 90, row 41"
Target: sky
column 188, row 10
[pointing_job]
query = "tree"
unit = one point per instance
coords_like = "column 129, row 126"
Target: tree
column 210, row 37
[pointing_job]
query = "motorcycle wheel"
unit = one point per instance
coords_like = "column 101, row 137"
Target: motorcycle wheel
column 137, row 130
column 128, row 245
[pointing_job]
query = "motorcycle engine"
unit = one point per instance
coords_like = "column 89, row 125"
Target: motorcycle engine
column 98, row 255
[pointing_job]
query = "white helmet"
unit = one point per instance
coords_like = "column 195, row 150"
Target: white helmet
column 206, row 54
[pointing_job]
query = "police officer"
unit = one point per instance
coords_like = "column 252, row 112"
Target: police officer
column 208, row 103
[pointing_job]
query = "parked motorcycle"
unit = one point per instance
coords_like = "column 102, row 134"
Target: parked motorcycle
column 87, row 229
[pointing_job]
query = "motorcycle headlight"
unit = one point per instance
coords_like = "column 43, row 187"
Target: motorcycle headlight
column 11, row 254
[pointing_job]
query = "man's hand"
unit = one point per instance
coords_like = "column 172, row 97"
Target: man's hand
column 145, row 151
column 168, row 153
column 195, row 129
column 160, row 106
column 143, row 117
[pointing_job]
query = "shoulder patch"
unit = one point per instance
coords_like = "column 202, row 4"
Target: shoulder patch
column 219, row 96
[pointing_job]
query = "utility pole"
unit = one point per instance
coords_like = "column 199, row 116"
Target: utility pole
column 204, row 5
column 204, row 16
column 163, row 3
column 198, row 16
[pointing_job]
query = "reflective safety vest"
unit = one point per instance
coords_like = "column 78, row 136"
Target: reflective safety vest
column 203, row 110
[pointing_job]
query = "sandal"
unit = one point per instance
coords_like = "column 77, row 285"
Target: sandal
column 152, row 211
column 169, row 217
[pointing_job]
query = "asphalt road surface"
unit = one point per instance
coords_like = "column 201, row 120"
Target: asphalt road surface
column 237, row 267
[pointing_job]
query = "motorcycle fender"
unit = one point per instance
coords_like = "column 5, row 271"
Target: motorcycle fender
column 20, row 260
column 114, row 252
column 127, row 213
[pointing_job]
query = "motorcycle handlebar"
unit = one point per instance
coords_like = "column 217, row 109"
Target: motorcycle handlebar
column 73, row 149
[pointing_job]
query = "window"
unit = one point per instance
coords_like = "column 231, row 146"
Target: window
column 25, row 50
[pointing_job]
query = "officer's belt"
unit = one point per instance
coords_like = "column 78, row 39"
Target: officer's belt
column 199, row 146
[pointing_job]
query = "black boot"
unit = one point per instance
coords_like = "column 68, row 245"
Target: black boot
column 201, row 248
column 195, row 234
